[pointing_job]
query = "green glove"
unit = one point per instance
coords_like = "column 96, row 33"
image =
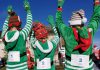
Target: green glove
column 60, row 3
column 50, row 19
column 9, row 9
column 26, row 5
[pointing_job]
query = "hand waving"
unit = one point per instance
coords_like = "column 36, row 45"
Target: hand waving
column 26, row 5
column 60, row 3
column 9, row 9
column 50, row 19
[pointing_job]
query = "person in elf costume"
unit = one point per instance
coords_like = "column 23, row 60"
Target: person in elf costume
column 44, row 49
column 15, row 40
column 77, row 37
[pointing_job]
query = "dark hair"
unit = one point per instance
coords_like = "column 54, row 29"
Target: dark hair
column 12, row 13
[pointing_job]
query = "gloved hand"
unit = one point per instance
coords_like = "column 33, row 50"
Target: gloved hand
column 26, row 5
column 50, row 19
column 60, row 3
column 9, row 9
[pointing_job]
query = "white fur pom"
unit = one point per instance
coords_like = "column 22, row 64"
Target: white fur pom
column 84, row 20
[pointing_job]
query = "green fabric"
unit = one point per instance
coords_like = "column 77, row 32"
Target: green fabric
column 83, row 32
column 20, row 45
column 21, row 41
column 60, row 3
column 67, row 32
column 5, row 27
column 68, row 35
column 68, row 66
column 51, row 21
column 95, row 19
column 26, row 30
column 52, row 68
column 40, row 55
column 18, row 66
column 26, row 5
column 10, row 44
column 10, row 34
column 9, row 8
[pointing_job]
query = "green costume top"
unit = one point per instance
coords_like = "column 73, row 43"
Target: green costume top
column 70, row 41
column 45, row 50
column 16, row 41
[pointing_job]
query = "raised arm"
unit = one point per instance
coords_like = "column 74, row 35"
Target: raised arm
column 52, row 24
column 26, row 30
column 59, row 22
column 95, row 19
column 5, row 25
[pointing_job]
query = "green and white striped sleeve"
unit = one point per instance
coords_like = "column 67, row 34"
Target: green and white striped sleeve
column 95, row 19
column 55, row 40
column 32, row 39
column 26, row 30
column 5, row 27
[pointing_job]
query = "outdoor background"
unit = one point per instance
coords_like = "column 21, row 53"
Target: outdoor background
column 42, row 8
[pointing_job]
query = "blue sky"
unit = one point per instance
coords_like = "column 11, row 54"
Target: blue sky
column 42, row 8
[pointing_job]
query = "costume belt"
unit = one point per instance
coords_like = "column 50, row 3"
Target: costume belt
column 23, row 54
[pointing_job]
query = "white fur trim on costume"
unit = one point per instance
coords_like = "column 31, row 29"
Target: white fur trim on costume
column 0, row 40
column 90, row 29
column 84, row 19
column 75, row 22
column 41, row 49
column 19, row 18
column 16, row 35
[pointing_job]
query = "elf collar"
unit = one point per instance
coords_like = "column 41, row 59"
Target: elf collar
column 41, row 49
column 15, row 37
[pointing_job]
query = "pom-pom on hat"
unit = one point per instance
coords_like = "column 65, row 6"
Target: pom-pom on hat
column 78, row 18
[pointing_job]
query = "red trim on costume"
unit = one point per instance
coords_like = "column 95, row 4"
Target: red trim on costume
column 87, row 42
column 59, row 9
column 30, row 63
column 97, row 3
column 84, row 43
column 75, row 34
